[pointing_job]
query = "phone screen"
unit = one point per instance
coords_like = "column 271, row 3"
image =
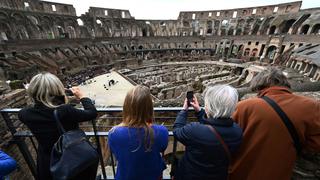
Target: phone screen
column 189, row 97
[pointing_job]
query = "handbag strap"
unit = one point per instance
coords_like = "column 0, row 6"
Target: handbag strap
column 224, row 145
column 59, row 125
column 287, row 122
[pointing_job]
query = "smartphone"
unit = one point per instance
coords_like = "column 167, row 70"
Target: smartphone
column 189, row 97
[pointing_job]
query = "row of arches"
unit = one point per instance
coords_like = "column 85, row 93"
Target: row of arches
column 19, row 26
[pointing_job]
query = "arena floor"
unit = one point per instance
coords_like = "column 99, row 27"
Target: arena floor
column 98, row 89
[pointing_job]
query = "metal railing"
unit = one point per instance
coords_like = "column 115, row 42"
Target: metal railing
column 26, row 142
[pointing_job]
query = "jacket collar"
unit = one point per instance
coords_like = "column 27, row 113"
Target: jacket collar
column 219, row 121
column 274, row 90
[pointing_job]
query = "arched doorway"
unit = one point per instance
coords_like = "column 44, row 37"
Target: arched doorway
column 246, row 52
column 315, row 29
column 304, row 29
column 286, row 25
column 71, row 33
column 271, row 51
column 272, row 30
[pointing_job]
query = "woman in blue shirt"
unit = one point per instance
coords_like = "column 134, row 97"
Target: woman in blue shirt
column 136, row 142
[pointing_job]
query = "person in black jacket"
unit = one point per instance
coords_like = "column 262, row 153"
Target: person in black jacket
column 48, row 94
column 205, row 156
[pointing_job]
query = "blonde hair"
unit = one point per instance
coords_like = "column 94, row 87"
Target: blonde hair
column 138, row 112
column 44, row 88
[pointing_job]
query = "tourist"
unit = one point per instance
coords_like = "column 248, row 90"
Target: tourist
column 7, row 165
column 137, row 143
column 48, row 94
column 268, row 150
column 209, row 142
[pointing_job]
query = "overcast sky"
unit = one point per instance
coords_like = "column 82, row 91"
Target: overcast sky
column 169, row 9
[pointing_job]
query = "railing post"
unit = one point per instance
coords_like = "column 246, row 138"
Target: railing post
column 113, row 164
column 99, row 150
column 21, row 145
column 174, row 159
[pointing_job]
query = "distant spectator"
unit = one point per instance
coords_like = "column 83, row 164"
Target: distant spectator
column 7, row 165
column 137, row 143
column 48, row 94
column 268, row 150
column 210, row 142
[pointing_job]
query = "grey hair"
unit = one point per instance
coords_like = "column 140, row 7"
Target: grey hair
column 44, row 87
column 272, row 76
column 220, row 101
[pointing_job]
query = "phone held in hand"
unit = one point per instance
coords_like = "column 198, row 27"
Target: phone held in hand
column 68, row 92
column 189, row 97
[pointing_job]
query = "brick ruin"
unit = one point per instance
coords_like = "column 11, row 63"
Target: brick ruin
column 197, row 49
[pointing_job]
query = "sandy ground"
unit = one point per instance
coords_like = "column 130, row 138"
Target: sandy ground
column 111, row 95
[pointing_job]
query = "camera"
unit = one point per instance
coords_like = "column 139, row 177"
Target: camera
column 68, row 92
column 189, row 97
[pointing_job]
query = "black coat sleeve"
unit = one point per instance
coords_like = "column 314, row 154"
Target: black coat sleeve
column 200, row 116
column 79, row 115
column 181, row 130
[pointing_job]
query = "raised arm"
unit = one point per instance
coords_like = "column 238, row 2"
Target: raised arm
column 181, row 130
column 89, row 112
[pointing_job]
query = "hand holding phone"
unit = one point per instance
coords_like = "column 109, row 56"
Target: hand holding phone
column 190, row 97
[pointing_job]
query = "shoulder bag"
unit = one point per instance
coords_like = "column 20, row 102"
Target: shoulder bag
column 72, row 153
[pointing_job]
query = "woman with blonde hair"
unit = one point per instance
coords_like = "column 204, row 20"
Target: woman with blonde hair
column 48, row 93
column 136, row 142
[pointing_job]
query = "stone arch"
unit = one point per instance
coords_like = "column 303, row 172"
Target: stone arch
column 17, row 17
column 21, row 33
column 5, row 31
column 315, row 29
column 84, row 33
column 265, row 26
column 286, row 25
column 247, row 26
column 209, row 27
column 33, row 20
column 144, row 32
column 216, row 27
column 60, row 31
column 272, row 30
column 304, row 29
column 71, row 32
column 271, row 51
column 238, row 31
column 256, row 26
column 140, row 47
column 254, row 52
column 230, row 31
column 246, row 52
column 186, row 24
column 3, row 15
column 34, row 30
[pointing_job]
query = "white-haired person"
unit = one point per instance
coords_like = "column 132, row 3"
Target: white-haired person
column 210, row 142
column 48, row 93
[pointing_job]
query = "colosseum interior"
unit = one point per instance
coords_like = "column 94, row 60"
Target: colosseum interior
column 196, row 50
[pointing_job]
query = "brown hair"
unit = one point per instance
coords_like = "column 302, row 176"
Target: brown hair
column 138, row 112
column 272, row 76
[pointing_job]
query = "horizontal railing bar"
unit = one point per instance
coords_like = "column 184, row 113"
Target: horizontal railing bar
column 117, row 109
column 88, row 133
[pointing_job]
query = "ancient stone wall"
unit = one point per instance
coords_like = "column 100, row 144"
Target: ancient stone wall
column 14, row 99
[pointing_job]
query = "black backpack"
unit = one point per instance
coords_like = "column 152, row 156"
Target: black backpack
column 72, row 153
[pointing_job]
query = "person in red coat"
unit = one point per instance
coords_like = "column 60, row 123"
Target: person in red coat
column 267, row 150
